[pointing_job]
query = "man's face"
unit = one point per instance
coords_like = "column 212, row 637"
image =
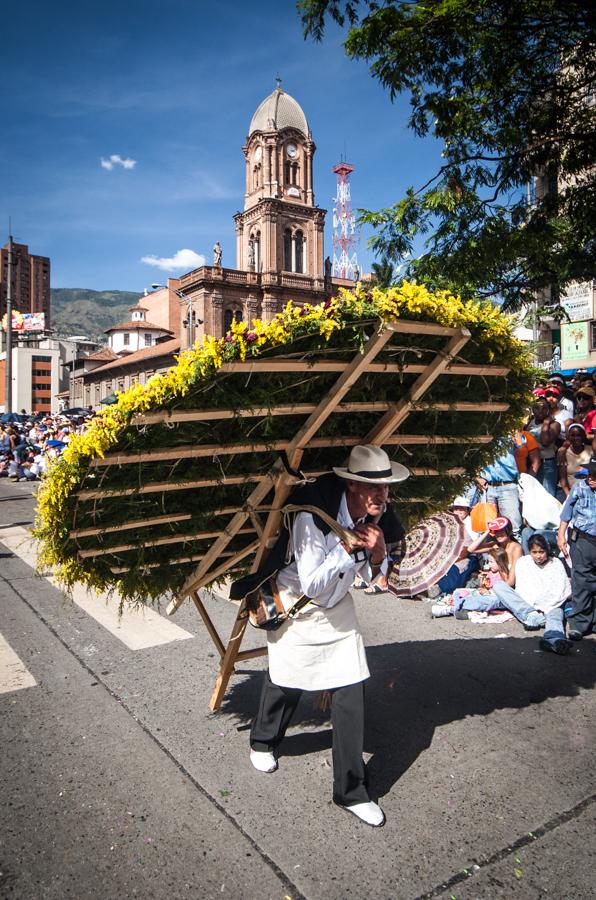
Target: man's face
column 591, row 482
column 366, row 499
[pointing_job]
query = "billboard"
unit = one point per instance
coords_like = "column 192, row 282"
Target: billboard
column 577, row 301
column 26, row 321
column 574, row 341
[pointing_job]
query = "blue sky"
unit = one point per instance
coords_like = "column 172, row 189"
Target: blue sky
column 172, row 86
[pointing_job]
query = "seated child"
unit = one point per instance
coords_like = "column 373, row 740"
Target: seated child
column 482, row 598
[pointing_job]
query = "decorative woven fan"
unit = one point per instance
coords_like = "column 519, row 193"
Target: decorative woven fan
column 179, row 483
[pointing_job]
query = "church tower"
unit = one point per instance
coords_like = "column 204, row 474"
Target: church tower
column 280, row 231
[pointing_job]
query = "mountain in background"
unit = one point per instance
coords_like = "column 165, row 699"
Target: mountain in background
column 81, row 311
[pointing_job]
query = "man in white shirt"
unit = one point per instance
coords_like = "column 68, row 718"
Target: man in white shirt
column 322, row 649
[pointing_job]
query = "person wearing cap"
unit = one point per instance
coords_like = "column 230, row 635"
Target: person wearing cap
column 577, row 540
column 321, row 649
column 499, row 536
column 553, row 395
column 586, row 413
column 573, row 457
column 566, row 398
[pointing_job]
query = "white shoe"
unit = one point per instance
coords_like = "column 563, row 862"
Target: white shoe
column 263, row 760
column 369, row 812
column 441, row 609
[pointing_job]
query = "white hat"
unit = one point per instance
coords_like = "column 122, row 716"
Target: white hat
column 461, row 501
column 371, row 464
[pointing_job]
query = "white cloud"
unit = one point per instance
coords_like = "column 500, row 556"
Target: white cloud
column 182, row 260
column 116, row 160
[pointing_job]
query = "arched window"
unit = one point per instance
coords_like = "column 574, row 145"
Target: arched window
column 288, row 250
column 295, row 173
column 298, row 251
column 231, row 315
column 288, row 171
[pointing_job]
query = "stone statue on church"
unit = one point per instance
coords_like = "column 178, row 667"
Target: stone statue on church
column 217, row 254
column 251, row 256
column 327, row 267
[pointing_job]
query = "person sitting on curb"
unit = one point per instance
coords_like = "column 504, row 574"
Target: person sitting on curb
column 499, row 537
column 541, row 589
column 482, row 598
column 577, row 540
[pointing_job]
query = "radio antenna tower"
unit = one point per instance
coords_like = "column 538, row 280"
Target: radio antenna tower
column 345, row 261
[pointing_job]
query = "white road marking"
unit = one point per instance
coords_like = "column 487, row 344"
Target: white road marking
column 14, row 675
column 136, row 629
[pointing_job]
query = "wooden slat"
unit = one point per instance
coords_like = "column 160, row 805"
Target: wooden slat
column 232, row 559
column 165, row 486
column 192, row 451
column 302, row 409
column 194, row 581
column 265, row 366
column 158, row 542
column 407, row 326
column 208, row 624
column 125, row 526
column 396, row 415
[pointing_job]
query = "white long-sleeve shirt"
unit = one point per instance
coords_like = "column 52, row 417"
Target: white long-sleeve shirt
column 544, row 587
column 321, row 568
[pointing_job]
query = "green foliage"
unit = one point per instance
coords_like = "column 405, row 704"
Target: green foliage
column 82, row 311
column 507, row 87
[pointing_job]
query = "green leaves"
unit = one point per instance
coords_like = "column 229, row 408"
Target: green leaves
column 505, row 87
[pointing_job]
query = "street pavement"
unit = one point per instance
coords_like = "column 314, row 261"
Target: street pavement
column 117, row 781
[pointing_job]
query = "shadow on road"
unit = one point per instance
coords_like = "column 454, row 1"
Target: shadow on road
column 417, row 686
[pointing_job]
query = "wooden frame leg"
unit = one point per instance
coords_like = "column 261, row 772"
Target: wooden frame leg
column 229, row 658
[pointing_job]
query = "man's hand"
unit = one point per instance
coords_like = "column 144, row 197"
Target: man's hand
column 562, row 539
column 481, row 482
column 372, row 538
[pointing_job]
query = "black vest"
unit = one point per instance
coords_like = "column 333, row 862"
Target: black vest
column 326, row 493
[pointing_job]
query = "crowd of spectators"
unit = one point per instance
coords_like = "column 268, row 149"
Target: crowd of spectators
column 28, row 440
column 537, row 556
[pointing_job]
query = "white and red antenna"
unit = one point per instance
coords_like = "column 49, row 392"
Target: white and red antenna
column 345, row 261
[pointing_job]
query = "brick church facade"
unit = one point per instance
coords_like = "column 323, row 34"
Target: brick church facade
column 279, row 233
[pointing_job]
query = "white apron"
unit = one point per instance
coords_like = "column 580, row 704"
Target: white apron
column 321, row 649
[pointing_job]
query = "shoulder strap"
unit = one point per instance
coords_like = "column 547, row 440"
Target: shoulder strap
column 346, row 536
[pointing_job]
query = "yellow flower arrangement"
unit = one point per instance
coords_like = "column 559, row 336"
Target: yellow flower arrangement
column 492, row 337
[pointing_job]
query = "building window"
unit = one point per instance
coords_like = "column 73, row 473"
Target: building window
column 299, row 251
column 148, row 340
column 592, row 335
column 231, row 315
column 288, row 250
column 126, row 338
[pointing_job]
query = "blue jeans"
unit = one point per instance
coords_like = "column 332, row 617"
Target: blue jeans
column 455, row 579
column 548, row 475
column 526, row 614
column 506, row 497
column 474, row 600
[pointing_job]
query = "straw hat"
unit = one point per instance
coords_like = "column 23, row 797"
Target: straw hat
column 372, row 465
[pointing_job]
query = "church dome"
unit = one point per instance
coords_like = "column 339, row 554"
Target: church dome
column 278, row 111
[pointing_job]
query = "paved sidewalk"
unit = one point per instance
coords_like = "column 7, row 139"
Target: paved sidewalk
column 118, row 782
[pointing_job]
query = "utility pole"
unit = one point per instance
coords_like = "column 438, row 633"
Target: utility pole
column 8, row 392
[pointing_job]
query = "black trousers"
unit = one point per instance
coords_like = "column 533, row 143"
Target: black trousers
column 276, row 708
column 582, row 615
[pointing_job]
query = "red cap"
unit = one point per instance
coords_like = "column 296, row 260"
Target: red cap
column 553, row 389
column 499, row 524
column 539, row 392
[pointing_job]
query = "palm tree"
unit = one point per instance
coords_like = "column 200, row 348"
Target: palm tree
column 383, row 272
